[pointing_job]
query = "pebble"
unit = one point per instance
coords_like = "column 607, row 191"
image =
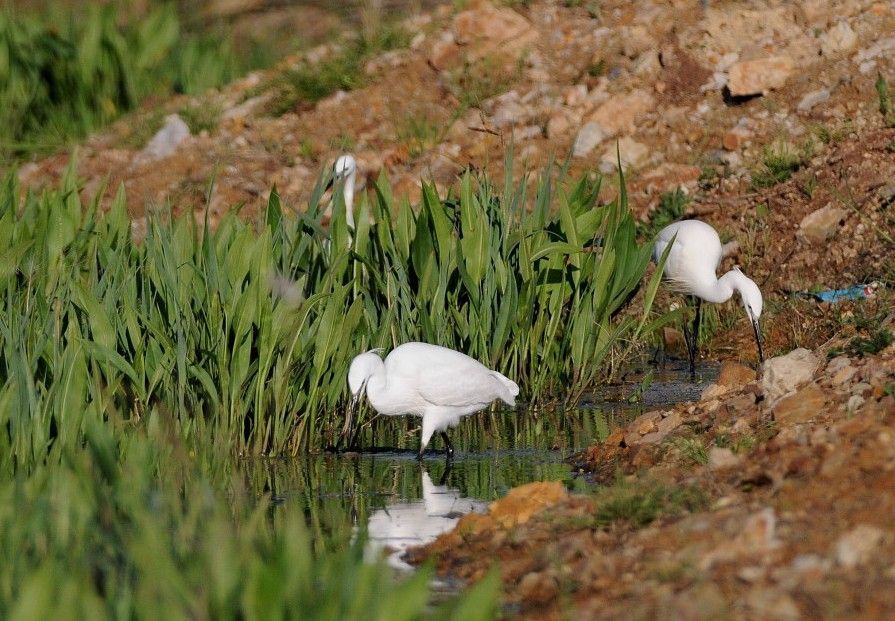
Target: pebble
column 812, row 99
column 757, row 77
column 857, row 545
column 589, row 136
column 838, row 39
column 165, row 141
column 821, row 224
column 723, row 458
column 633, row 154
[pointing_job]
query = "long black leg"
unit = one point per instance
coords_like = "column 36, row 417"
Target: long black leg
column 691, row 336
column 449, row 448
column 419, row 455
column 697, row 321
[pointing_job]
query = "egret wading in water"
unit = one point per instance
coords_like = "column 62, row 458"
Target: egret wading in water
column 437, row 383
column 691, row 269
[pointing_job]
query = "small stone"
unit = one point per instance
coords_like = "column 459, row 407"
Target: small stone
column 801, row 407
column 734, row 139
column 785, row 374
column 633, row 155
column 837, row 364
column 621, row 112
column 558, row 125
column 537, row 587
column 575, row 95
column 445, row 52
column 166, row 140
column 812, row 99
column 757, row 77
column 844, row 375
column 821, row 224
column 701, row 601
column 673, row 341
column 862, row 389
column 646, row 427
column 838, row 39
column 857, row 546
column 722, row 458
column 669, row 423
column 247, row 108
column 589, row 136
column 713, row 391
column 772, row 605
column 524, row 501
column 734, row 374
column 854, row 402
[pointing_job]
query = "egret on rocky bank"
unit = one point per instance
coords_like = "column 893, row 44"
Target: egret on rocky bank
column 437, row 383
column 691, row 269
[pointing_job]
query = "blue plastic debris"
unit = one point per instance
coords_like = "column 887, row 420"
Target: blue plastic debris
column 858, row 292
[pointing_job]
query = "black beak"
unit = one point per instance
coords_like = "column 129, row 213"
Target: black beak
column 330, row 183
column 757, row 329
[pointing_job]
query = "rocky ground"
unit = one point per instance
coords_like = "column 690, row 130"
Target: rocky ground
column 770, row 498
column 773, row 496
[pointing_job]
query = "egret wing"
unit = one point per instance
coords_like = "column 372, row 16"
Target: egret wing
column 454, row 379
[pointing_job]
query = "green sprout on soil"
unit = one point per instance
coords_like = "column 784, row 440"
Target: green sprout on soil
column 778, row 163
column 641, row 503
column 885, row 102
column 736, row 442
column 861, row 346
column 475, row 82
column 307, row 83
column 693, row 449
column 419, row 133
column 672, row 206
column 202, row 116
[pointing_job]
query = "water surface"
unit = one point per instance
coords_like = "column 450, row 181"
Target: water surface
column 385, row 495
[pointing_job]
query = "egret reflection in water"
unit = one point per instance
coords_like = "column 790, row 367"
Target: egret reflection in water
column 400, row 526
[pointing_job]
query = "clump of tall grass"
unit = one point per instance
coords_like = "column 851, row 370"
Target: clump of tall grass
column 92, row 322
column 59, row 81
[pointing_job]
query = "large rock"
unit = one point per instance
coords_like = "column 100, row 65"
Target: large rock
column 821, row 224
column 757, row 77
column 801, row 407
column 786, row 374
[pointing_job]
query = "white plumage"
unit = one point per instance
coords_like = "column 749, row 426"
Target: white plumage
column 691, row 269
column 439, row 384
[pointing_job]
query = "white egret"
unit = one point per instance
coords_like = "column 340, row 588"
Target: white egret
column 345, row 170
column 691, row 269
column 437, row 383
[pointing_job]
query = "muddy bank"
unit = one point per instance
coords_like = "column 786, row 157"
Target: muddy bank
column 768, row 498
